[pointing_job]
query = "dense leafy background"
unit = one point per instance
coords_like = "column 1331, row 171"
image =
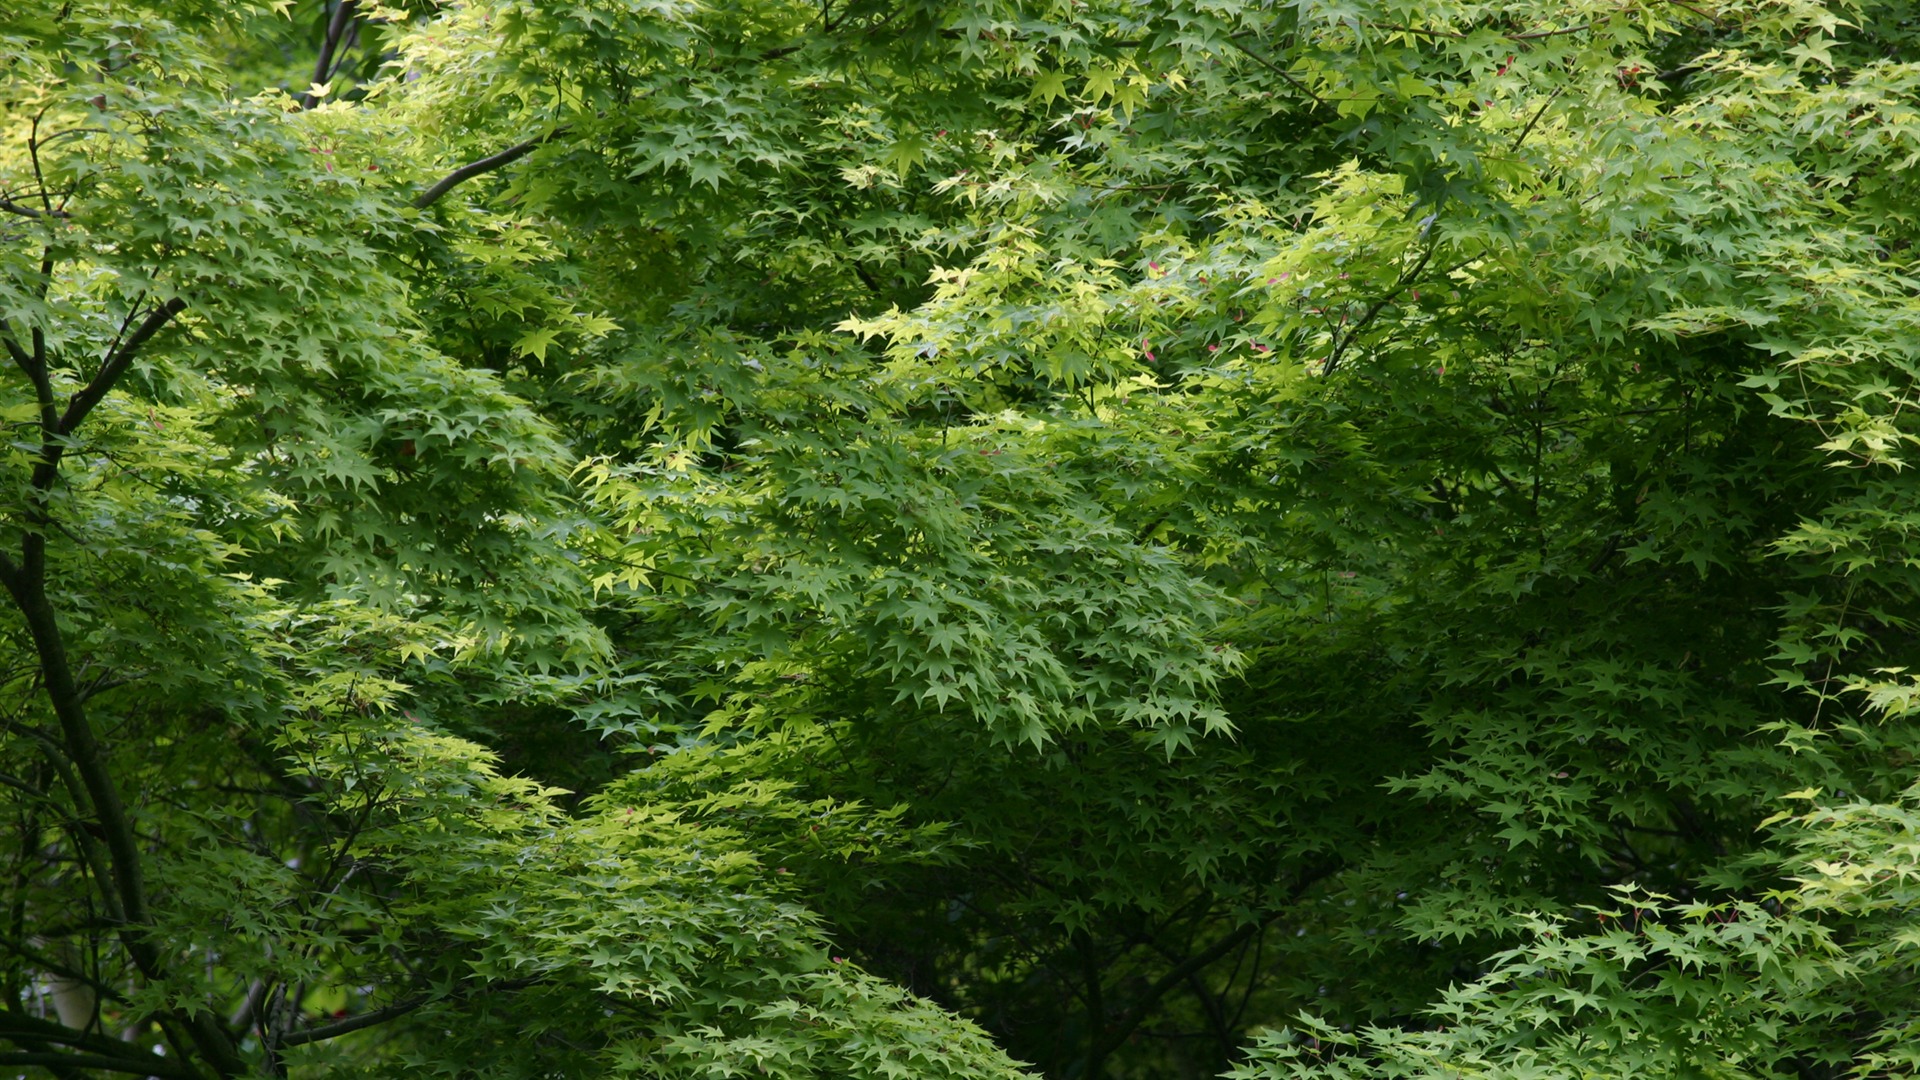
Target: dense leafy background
column 1083, row 539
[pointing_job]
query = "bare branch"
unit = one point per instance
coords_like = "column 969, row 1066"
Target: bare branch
column 54, row 967
column 33, row 155
column 106, row 1053
column 323, row 66
column 20, row 357
column 395, row 1011
column 12, row 207
column 356, row 1023
column 485, row 165
column 149, row 1065
column 17, row 784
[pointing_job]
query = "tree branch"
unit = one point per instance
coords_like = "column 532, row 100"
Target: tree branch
column 356, row 1023
column 1137, row 1013
column 1234, row 40
column 1536, row 35
column 20, row 358
column 54, row 967
column 116, row 364
column 148, row 1065
column 82, row 749
column 12, row 207
column 336, row 31
column 1673, row 77
column 1707, row 15
column 16, row 1027
column 1406, row 281
column 393, row 1012
column 1538, row 113
column 14, row 782
column 126, row 896
column 485, row 165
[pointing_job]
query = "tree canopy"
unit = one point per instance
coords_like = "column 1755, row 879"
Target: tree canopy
column 904, row 538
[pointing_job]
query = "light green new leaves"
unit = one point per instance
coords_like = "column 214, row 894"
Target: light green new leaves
column 1650, row 985
column 627, row 941
column 969, row 570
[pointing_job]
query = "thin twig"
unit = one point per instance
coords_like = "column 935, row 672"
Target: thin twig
column 20, row 785
column 1538, row 113
column 1536, row 35
column 1406, row 280
column 1417, row 30
column 1707, row 15
column 1234, row 40
column 1530, row 35
column 33, row 155
column 133, row 312
column 340, row 61
column 54, row 967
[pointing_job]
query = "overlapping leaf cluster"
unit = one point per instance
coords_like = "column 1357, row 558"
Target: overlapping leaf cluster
column 1132, row 521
